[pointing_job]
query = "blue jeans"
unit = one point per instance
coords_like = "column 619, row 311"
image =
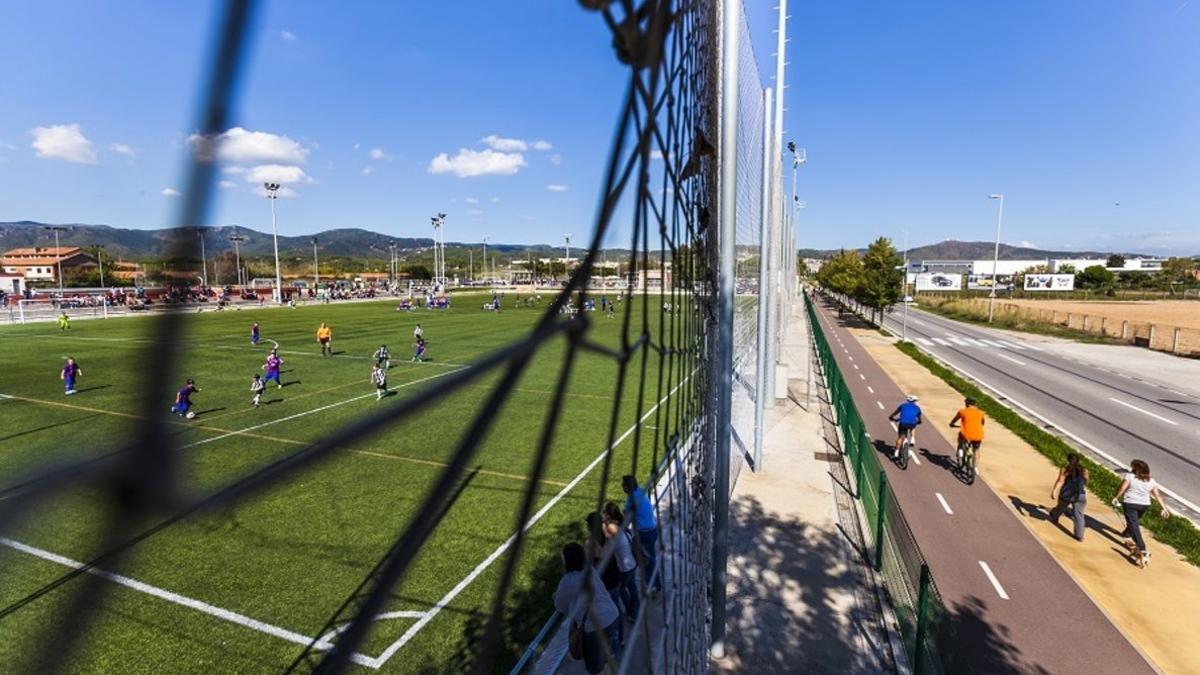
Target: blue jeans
column 630, row 599
column 647, row 539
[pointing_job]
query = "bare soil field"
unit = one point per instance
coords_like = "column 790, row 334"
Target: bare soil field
column 1183, row 313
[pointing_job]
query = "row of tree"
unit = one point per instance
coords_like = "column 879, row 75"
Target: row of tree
column 875, row 279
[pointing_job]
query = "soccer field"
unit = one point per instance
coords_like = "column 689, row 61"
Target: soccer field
column 244, row 589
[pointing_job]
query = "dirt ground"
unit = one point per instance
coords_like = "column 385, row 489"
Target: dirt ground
column 1153, row 607
column 1184, row 313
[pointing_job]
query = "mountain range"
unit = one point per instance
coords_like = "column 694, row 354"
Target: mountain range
column 983, row 250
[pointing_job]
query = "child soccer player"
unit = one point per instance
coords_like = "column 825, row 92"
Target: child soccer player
column 384, row 357
column 254, row 334
column 418, row 333
column 257, row 387
column 64, row 322
column 419, row 354
column 379, row 377
column 183, row 400
column 325, row 337
column 70, row 371
column 272, row 368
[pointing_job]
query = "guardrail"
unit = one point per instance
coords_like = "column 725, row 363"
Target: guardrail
column 924, row 621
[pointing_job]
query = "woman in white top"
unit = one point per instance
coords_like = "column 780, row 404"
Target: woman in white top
column 592, row 608
column 1134, row 497
column 614, row 527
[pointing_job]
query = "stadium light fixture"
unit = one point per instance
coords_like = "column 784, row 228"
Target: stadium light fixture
column 995, row 254
column 273, row 194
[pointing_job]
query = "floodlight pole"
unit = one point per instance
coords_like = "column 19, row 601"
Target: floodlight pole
column 995, row 255
column 237, row 255
column 567, row 260
column 103, row 294
column 58, row 256
column 485, row 240
column 316, row 268
column 273, row 194
column 203, row 257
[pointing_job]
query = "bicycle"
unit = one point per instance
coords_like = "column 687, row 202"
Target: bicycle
column 966, row 459
column 906, row 447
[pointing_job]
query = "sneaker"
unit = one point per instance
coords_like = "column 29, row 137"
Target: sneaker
column 1145, row 559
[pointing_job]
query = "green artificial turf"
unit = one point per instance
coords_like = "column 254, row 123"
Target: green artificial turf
column 290, row 556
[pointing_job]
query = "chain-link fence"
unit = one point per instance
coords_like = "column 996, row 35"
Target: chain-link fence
column 905, row 576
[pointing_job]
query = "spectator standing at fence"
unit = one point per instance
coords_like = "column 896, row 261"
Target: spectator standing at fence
column 581, row 598
column 1073, row 495
column 646, row 524
column 614, row 522
column 610, row 573
column 1134, row 498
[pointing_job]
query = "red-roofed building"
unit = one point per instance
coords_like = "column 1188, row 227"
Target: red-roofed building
column 41, row 263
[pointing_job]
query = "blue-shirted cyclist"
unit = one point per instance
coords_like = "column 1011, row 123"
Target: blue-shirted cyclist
column 907, row 417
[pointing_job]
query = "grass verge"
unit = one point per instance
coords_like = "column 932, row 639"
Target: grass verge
column 966, row 313
column 1178, row 533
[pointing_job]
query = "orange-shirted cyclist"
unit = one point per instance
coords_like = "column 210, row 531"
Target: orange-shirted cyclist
column 971, row 429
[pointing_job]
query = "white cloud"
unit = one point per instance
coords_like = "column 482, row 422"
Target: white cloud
column 474, row 212
column 469, row 163
column 542, row 145
column 556, row 159
column 277, row 173
column 378, row 153
column 495, row 200
column 170, row 192
column 553, row 187
column 504, row 144
column 287, row 35
column 123, row 149
column 226, row 184
column 368, row 170
column 63, row 141
column 471, row 200
column 233, row 169
column 241, row 146
column 285, row 192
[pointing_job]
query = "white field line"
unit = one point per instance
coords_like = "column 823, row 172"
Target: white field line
column 256, row 427
column 191, row 603
column 1144, row 412
column 487, row 562
column 1075, row 437
column 1009, row 358
column 402, row 614
column 992, row 578
column 942, row 500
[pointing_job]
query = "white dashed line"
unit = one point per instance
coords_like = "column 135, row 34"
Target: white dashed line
column 879, row 404
column 862, row 377
column 913, row 456
column 992, row 578
column 941, row 342
column 1144, row 412
column 945, row 506
column 925, row 341
column 870, row 389
column 1013, row 345
column 1009, row 358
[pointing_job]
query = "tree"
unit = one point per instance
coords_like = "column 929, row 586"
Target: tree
column 1094, row 277
column 881, row 284
column 1065, row 269
column 843, row 273
column 1115, row 260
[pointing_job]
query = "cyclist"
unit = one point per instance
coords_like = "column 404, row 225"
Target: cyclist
column 971, row 430
column 906, row 416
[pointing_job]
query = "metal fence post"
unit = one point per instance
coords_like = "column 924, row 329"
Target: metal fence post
column 922, row 619
column 766, row 295
column 879, row 521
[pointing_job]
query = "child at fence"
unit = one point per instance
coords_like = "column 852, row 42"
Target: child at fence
column 70, row 371
column 257, row 387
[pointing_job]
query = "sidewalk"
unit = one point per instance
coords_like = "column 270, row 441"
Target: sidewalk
column 799, row 598
column 1154, row 608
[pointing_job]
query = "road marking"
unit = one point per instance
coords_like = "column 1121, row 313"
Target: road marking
column 191, row 603
column 870, row 389
column 1013, row 345
column 862, row 377
column 1009, row 358
column 851, row 358
column 879, row 404
column 941, row 341
column 945, row 506
column 959, row 341
column 925, row 341
column 856, row 366
column 487, row 562
column 1144, row 412
column 992, row 578
column 913, row 456
column 975, row 342
column 992, row 343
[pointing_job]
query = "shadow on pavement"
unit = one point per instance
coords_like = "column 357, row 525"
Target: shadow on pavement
column 979, row 647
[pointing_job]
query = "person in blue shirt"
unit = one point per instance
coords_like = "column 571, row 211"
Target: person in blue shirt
column 645, row 523
column 907, row 417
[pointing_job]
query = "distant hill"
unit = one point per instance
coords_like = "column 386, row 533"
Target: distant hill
column 980, row 250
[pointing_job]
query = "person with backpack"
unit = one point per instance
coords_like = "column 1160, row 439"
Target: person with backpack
column 1073, row 495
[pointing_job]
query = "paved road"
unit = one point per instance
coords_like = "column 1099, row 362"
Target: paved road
column 1014, row 608
column 1116, row 413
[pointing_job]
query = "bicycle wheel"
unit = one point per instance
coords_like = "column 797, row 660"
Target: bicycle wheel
column 969, row 464
column 902, row 460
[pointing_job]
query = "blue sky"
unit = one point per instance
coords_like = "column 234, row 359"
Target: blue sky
column 911, row 114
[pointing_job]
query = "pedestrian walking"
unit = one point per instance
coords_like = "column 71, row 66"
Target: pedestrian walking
column 580, row 597
column 646, row 524
column 1134, row 499
column 1072, row 496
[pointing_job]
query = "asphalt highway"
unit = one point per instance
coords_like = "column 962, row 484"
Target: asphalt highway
column 1013, row 606
column 1108, row 411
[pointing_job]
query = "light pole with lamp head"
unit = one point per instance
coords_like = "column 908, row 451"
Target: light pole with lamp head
column 57, row 255
column 203, row 257
column 273, row 194
column 567, row 260
column 995, row 255
column 237, row 256
column 316, row 268
column 484, row 271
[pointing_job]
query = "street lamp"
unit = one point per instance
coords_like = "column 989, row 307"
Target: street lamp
column 485, row 276
column 316, row 268
column 904, row 292
column 237, row 254
column 439, row 260
column 203, row 257
column 273, row 194
column 58, row 255
column 103, row 294
column 567, row 260
column 995, row 255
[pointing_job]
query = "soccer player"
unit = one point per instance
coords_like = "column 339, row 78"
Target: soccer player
column 64, row 322
column 254, row 334
column 418, row 333
column 272, row 368
column 70, row 371
column 379, row 377
column 183, row 399
column 384, row 357
column 419, row 354
column 257, row 387
column 325, row 337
